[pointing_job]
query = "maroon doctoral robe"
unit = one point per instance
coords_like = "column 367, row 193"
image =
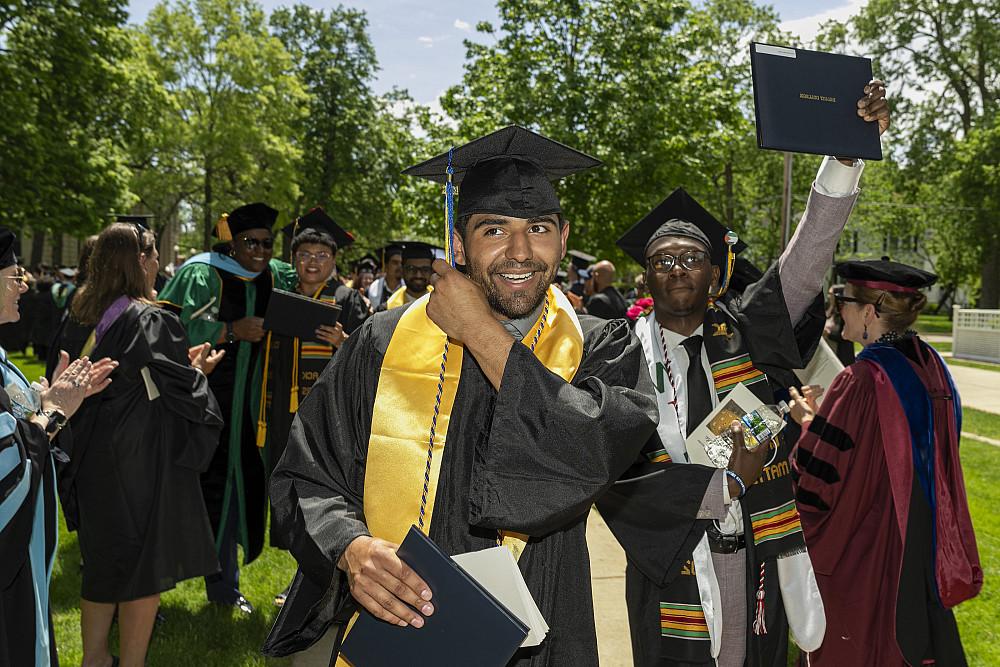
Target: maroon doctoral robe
column 890, row 557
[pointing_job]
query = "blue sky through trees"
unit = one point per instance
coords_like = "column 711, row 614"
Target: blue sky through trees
column 419, row 43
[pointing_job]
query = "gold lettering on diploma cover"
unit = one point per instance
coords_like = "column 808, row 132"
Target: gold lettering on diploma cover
column 816, row 98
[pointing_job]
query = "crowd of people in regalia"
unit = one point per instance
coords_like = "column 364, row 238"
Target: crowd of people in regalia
column 492, row 390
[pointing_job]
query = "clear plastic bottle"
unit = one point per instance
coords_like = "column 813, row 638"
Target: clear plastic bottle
column 760, row 426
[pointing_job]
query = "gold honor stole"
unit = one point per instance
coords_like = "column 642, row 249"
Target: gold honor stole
column 404, row 410
column 396, row 299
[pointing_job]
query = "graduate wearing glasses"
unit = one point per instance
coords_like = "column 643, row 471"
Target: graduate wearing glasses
column 221, row 297
column 292, row 365
column 417, row 272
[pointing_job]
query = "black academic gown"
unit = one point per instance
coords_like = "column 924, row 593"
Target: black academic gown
column 530, row 458
column 132, row 485
column 313, row 359
column 222, row 381
column 70, row 336
column 27, row 503
column 608, row 304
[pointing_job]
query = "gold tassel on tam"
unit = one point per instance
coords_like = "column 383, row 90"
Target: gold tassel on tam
column 222, row 231
column 261, row 418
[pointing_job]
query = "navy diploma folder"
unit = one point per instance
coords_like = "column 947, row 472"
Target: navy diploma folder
column 297, row 316
column 468, row 626
column 806, row 102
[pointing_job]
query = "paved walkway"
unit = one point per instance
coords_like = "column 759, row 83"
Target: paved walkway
column 607, row 567
column 979, row 388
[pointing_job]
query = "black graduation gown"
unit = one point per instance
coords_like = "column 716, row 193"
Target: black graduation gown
column 607, row 304
column 530, row 458
column 135, row 465
column 70, row 336
column 313, row 358
column 44, row 316
column 21, row 500
column 221, row 381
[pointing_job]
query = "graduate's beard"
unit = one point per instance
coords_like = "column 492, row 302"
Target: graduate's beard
column 515, row 305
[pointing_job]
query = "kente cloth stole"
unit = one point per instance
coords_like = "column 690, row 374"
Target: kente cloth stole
column 770, row 501
column 404, row 410
column 776, row 528
column 308, row 349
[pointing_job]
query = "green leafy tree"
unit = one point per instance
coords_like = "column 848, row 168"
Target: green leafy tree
column 944, row 57
column 62, row 161
column 354, row 143
column 233, row 101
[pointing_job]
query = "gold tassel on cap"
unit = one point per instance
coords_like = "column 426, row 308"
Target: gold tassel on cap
column 731, row 240
column 222, row 228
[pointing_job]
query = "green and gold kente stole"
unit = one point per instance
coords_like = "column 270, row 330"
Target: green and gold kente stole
column 770, row 501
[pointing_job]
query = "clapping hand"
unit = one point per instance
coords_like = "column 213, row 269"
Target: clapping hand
column 204, row 358
column 100, row 373
column 803, row 405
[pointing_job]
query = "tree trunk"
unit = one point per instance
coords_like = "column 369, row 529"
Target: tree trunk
column 989, row 294
column 208, row 223
column 57, row 249
column 37, row 246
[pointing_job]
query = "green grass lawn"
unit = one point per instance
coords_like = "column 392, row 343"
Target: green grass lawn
column 982, row 365
column 933, row 324
column 941, row 347
column 199, row 634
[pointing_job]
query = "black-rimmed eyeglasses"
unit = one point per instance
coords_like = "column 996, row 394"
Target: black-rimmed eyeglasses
column 692, row 260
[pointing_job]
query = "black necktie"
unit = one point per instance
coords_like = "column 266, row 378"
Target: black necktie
column 698, row 397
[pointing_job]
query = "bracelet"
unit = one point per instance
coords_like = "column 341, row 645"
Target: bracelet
column 739, row 480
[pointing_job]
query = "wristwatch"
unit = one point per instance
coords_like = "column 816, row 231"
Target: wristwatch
column 230, row 334
column 56, row 420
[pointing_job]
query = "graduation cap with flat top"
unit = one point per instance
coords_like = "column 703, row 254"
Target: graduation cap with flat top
column 680, row 214
column 509, row 172
column 318, row 220
column 679, row 207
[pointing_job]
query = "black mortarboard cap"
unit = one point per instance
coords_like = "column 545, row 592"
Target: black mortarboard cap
column 368, row 262
column 509, row 172
column 421, row 250
column 249, row 216
column 318, row 219
column 885, row 275
column 679, row 208
column 8, row 248
column 580, row 259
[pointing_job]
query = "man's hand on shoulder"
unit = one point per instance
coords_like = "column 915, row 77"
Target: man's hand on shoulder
column 383, row 584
